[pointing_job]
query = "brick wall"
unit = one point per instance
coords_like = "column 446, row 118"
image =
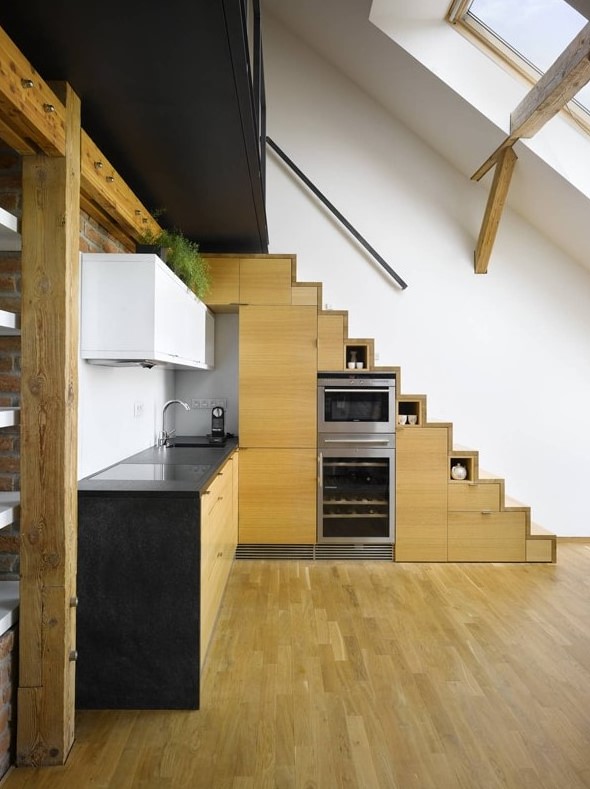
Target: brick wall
column 93, row 238
column 8, row 685
column 10, row 298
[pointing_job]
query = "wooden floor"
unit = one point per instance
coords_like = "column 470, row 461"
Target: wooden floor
column 369, row 675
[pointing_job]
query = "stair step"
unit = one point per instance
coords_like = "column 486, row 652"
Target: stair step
column 9, row 236
column 9, row 323
column 9, row 504
column 9, row 604
column 9, row 416
column 540, row 531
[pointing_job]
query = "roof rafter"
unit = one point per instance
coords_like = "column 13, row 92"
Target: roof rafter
column 560, row 83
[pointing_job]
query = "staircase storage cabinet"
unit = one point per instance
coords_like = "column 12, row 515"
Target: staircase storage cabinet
column 487, row 536
column 278, row 384
column 421, row 495
column 135, row 310
column 331, row 333
column 258, row 279
column 278, row 496
column 218, row 545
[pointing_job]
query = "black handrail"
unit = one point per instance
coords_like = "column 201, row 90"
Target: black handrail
column 362, row 241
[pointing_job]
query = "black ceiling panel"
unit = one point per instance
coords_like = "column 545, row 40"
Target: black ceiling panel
column 165, row 92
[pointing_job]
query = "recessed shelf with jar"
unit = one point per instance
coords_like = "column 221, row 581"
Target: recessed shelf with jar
column 462, row 468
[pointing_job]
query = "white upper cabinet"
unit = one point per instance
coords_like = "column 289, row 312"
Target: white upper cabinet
column 135, row 311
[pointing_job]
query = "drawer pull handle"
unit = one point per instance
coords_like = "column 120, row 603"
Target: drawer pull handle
column 206, row 493
column 486, row 512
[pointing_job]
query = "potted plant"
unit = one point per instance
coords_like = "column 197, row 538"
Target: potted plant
column 181, row 255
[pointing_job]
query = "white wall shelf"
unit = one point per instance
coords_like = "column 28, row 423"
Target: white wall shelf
column 9, row 235
column 9, row 604
column 9, row 416
column 9, row 504
column 9, row 323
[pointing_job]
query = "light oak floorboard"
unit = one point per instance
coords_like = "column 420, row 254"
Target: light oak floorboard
column 367, row 675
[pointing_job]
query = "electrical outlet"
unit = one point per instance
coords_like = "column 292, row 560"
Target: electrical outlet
column 137, row 409
column 376, row 357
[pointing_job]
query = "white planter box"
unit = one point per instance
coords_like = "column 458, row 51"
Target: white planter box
column 135, row 311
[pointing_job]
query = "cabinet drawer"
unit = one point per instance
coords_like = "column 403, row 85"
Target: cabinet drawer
column 480, row 537
column 474, row 496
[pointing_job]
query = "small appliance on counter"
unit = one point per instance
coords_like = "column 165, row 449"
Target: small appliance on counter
column 218, row 422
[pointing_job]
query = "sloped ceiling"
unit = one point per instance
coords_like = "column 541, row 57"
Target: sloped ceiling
column 165, row 96
column 340, row 31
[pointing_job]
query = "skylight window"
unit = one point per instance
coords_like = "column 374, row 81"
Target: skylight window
column 529, row 35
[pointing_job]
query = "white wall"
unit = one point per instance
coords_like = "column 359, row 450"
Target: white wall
column 503, row 356
column 108, row 430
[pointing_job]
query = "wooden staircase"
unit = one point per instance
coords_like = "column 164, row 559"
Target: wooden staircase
column 438, row 518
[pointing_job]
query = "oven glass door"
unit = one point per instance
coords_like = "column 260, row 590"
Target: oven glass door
column 367, row 409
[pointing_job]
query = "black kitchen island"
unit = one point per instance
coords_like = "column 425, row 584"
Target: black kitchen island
column 139, row 579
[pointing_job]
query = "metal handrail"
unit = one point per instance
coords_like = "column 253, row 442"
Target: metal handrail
column 362, row 241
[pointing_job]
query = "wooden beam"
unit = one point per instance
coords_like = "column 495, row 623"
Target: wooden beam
column 494, row 208
column 49, row 325
column 33, row 118
column 104, row 188
column 492, row 160
column 560, row 83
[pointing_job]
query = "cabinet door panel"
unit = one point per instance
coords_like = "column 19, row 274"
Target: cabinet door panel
column 225, row 282
column 265, row 280
column 278, row 496
column 474, row 496
column 421, row 495
column 487, row 537
column 278, row 383
column 331, row 342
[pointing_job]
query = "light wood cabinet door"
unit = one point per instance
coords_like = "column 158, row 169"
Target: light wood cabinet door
column 474, row 496
column 421, row 495
column 278, row 376
column 265, row 280
column 225, row 283
column 218, row 544
column 331, row 342
column 487, row 536
column 278, row 496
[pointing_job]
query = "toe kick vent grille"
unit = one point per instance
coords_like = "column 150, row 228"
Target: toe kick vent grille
column 356, row 552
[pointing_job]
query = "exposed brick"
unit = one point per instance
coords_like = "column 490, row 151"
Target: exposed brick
column 6, row 643
column 9, row 383
column 9, row 464
column 8, row 283
column 7, row 443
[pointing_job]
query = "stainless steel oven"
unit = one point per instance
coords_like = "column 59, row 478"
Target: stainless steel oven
column 356, row 488
column 356, row 403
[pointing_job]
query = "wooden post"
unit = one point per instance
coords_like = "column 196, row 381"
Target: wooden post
column 494, row 208
column 50, row 276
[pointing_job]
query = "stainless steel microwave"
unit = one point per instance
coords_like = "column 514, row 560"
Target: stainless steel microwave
column 356, row 403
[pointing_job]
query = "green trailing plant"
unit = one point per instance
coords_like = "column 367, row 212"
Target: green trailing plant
column 183, row 258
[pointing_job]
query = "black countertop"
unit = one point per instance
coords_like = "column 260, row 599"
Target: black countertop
column 161, row 470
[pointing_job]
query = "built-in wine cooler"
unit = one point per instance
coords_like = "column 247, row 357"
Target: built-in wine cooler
column 356, row 488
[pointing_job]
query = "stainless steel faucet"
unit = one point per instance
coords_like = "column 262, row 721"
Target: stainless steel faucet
column 166, row 435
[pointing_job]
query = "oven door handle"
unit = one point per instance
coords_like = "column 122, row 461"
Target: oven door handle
column 354, row 390
column 356, row 441
column 321, row 470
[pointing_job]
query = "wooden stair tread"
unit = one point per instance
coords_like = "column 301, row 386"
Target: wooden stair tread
column 540, row 531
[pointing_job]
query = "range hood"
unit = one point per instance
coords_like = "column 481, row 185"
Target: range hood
column 135, row 312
